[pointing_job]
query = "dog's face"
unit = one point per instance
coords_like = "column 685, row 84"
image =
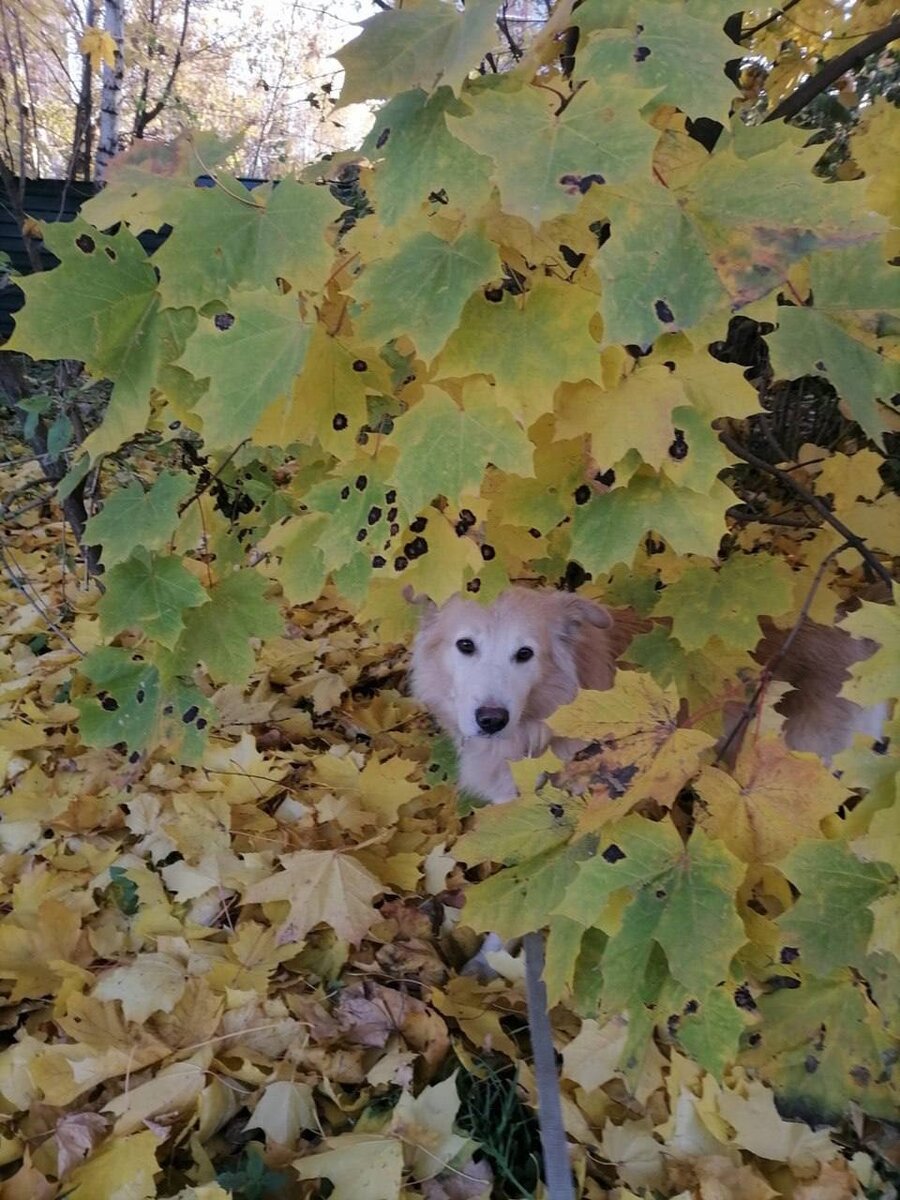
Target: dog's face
column 485, row 671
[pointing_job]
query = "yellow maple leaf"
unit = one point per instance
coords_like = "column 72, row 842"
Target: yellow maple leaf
column 380, row 788
column 360, row 1166
column 99, row 47
column 123, row 1169
column 148, row 983
column 875, row 678
column 776, row 799
column 320, row 885
column 174, row 1089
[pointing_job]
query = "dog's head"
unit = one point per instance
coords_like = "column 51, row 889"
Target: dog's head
column 485, row 670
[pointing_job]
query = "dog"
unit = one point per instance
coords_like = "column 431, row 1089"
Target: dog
column 492, row 676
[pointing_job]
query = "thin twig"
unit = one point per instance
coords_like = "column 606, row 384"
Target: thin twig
column 212, row 479
column 779, row 12
column 812, row 500
column 765, row 677
column 21, row 584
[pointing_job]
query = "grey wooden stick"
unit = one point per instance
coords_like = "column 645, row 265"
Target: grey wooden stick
column 557, row 1170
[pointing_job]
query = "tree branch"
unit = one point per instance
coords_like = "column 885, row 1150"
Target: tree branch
column 812, row 500
column 776, row 15
column 833, row 70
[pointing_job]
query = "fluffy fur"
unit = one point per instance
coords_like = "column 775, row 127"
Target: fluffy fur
column 575, row 643
column 572, row 644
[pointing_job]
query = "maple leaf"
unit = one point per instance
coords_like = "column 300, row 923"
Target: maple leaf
column 775, row 800
column 150, row 593
column 875, row 678
column 320, row 885
column 284, row 1111
column 855, row 292
column 380, row 788
column 445, row 447
column 830, row 923
column 607, row 529
column 249, row 364
column 218, row 633
column 122, row 1169
column 419, row 47
column 425, row 1125
column 674, row 887
column 149, row 983
column 678, row 55
column 597, row 135
column 131, row 511
column 99, row 47
column 360, row 1166
column 421, row 291
column 421, row 158
column 514, row 339
column 726, row 602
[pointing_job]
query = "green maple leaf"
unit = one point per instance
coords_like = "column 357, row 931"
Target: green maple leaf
column 540, row 154
column 725, row 602
column 100, row 306
column 228, row 236
column 517, row 341
column 249, row 365
column 418, row 158
column 830, row 924
column 219, row 633
column 607, row 530
column 676, row 54
column 518, row 831
column 655, row 270
column 301, row 570
column 421, row 47
column 149, row 593
column 422, row 290
column 758, row 209
column 875, row 679
column 822, row 1044
column 856, row 294
column 683, row 896
column 128, row 708
column 445, row 448
column 133, row 517
column 521, row 898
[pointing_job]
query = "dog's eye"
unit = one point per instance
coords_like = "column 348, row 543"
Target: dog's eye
column 465, row 646
column 523, row 654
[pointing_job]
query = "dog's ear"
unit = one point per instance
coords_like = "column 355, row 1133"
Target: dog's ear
column 578, row 612
column 426, row 606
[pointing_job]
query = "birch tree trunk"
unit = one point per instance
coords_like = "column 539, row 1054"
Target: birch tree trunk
column 111, row 98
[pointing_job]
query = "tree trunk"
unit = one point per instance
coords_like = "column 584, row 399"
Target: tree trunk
column 108, row 142
column 80, row 166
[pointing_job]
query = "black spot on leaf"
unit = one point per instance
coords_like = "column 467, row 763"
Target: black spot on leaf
column 110, row 253
column 557, row 811
column 390, row 496
column 190, row 714
column 85, row 244
column 374, row 514
column 360, row 365
column 488, row 552
column 820, row 366
column 392, row 514
column 362, row 534
column 400, row 563
column 361, row 483
column 810, row 1064
column 614, row 853
column 223, row 321
column 607, row 478
column 582, row 494
column 743, row 998
column 109, row 704
column 338, row 422
column 493, row 294
column 692, row 1006
column 382, row 137
column 679, row 448
column 788, row 954
column 419, row 525
column 378, row 561
column 467, row 517
column 474, row 585
column 439, row 197
column 642, row 53
column 663, row 312
column 345, row 493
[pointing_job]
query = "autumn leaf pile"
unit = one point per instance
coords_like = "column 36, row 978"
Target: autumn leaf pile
column 239, row 885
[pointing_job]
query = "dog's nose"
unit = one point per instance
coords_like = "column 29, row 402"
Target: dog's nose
column 490, row 719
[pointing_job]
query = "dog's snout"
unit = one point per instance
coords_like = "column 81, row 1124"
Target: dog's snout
column 491, row 719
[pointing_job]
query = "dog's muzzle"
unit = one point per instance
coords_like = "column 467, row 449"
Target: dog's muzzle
column 490, row 719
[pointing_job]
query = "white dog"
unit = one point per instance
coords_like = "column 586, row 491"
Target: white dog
column 492, row 675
